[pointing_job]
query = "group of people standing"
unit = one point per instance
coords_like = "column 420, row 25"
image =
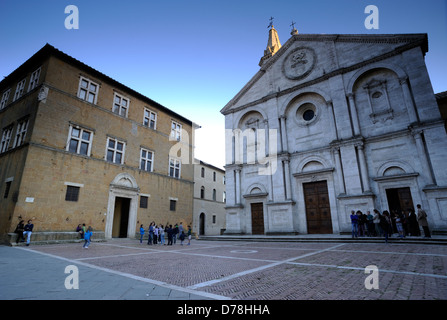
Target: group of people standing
column 156, row 234
column 384, row 224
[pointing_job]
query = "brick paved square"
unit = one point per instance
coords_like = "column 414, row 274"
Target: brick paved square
column 273, row 270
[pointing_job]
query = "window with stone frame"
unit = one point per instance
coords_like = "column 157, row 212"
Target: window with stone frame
column 115, row 150
column 172, row 205
column 176, row 131
column 72, row 193
column 5, row 98
column 19, row 89
column 150, row 119
column 6, row 138
column 120, row 105
column 146, row 160
column 34, row 79
column 88, row 90
column 174, row 167
column 79, row 141
column 143, row 202
column 22, row 127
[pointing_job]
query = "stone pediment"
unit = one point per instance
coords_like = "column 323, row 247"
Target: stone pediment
column 306, row 59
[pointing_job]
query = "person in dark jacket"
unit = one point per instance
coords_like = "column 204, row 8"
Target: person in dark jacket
column 28, row 230
column 413, row 221
column 170, row 234
column 385, row 224
column 354, row 224
column 19, row 230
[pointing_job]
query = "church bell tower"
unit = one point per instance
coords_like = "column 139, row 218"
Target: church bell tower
column 273, row 44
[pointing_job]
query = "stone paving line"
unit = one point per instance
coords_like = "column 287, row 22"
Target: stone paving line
column 39, row 276
column 228, row 270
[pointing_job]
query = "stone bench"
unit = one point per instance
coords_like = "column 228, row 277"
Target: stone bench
column 49, row 237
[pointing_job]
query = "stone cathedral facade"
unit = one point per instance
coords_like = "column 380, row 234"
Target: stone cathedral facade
column 330, row 124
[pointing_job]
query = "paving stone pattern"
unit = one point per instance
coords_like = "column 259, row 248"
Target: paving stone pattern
column 240, row 270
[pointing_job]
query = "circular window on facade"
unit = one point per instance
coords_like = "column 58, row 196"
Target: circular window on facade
column 306, row 114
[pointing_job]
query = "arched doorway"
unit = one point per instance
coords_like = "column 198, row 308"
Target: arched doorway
column 122, row 207
column 202, row 224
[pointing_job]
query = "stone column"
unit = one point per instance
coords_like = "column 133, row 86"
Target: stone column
column 286, row 171
column 363, row 168
column 355, row 118
column 283, row 133
column 238, row 185
column 408, row 100
column 266, row 144
column 423, row 157
column 330, row 108
column 341, row 182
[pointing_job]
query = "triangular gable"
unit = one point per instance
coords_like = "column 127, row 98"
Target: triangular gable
column 309, row 58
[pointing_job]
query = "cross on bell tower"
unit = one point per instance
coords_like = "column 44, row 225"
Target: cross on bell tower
column 273, row 44
column 271, row 22
column 294, row 31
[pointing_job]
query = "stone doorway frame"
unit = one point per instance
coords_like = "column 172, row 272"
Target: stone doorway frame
column 123, row 186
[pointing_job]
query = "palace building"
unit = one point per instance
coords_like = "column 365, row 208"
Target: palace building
column 332, row 123
column 79, row 147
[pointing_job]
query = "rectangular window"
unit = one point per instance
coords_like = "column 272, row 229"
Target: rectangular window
column 7, row 188
column 214, row 219
column 21, row 133
column 146, row 160
column 143, row 202
column 19, row 89
column 115, row 151
column 34, row 80
column 79, row 141
column 5, row 97
column 172, row 205
column 6, row 138
column 88, row 90
column 174, row 168
column 150, row 119
column 72, row 193
column 176, row 131
column 120, row 105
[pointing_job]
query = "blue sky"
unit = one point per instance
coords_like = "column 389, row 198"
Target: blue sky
column 194, row 56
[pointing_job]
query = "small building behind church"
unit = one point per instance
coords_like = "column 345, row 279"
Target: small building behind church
column 79, row 147
column 209, row 199
column 332, row 123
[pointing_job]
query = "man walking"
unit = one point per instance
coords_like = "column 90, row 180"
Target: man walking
column 422, row 220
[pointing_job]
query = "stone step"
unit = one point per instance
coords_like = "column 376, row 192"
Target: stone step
column 327, row 238
column 50, row 237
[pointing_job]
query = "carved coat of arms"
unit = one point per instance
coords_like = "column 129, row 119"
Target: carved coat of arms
column 299, row 63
